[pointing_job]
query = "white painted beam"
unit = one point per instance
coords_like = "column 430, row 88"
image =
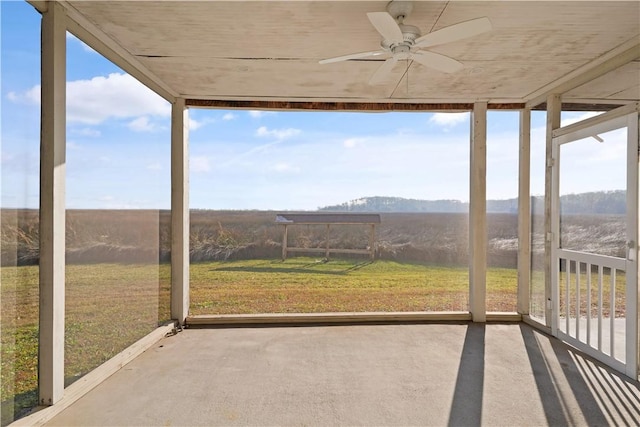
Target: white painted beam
column 478, row 214
column 554, row 110
column 615, row 58
column 179, row 211
column 601, row 123
column 90, row 34
column 524, row 213
column 39, row 5
column 333, row 318
column 52, row 206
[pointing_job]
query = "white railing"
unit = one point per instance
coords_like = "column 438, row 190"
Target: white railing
column 580, row 325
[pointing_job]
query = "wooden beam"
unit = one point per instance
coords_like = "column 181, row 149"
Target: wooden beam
column 342, row 106
column 327, row 318
column 179, row 211
column 621, row 55
column 586, row 105
column 52, row 206
column 478, row 214
column 554, row 102
column 326, row 253
column 610, row 117
column 524, row 213
column 94, row 37
column 372, row 241
column 40, row 5
column 284, row 242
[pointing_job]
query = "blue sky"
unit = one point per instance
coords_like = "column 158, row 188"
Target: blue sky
column 118, row 143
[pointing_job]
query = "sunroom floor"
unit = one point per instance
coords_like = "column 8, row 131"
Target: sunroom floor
column 461, row 374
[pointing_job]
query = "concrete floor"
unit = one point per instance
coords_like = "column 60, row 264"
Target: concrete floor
column 427, row 374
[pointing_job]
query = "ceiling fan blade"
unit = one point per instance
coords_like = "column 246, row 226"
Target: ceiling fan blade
column 383, row 71
column 437, row 61
column 455, row 32
column 386, row 26
column 352, row 56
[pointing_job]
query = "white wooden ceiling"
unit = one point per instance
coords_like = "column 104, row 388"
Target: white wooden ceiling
column 269, row 50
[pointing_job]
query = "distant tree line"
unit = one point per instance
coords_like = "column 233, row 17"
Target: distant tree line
column 596, row 202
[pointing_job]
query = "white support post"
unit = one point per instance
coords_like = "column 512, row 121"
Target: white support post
column 52, row 206
column 632, row 295
column 179, row 211
column 524, row 213
column 478, row 214
column 554, row 111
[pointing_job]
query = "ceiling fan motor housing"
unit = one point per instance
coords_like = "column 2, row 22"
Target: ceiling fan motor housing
column 400, row 9
column 409, row 34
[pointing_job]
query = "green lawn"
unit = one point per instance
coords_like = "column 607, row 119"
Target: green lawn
column 110, row 306
column 303, row 285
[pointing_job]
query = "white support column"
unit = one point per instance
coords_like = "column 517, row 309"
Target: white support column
column 52, row 206
column 633, row 232
column 554, row 110
column 524, row 213
column 478, row 214
column 179, row 211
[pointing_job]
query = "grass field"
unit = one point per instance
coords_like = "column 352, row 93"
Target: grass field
column 305, row 285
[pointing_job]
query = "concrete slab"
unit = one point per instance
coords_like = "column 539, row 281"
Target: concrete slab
column 426, row 374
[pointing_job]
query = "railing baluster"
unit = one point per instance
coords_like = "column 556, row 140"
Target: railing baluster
column 600, row 307
column 588, row 303
column 578, row 263
column 567, row 301
column 612, row 310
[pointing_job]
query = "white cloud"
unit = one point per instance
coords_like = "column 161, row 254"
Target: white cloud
column 88, row 132
column 195, row 124
column 94, row 101
column 278, row 134
column 285, row 168
column 154, row 166
column 259, row 114
column 30, row 97
column 141, row 124
column 199, row 164
column 229, row 116
column 353, row 142
column 449, row 120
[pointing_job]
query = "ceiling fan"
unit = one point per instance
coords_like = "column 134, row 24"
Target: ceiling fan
column 404, row 42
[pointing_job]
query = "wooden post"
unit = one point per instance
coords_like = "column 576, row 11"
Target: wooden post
column 372, row 242
column 284, row 243
column 554, row 110
column 326, row 250
column 179, row 211
column 524, row 213
column 478, row 214
column 52, row 205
